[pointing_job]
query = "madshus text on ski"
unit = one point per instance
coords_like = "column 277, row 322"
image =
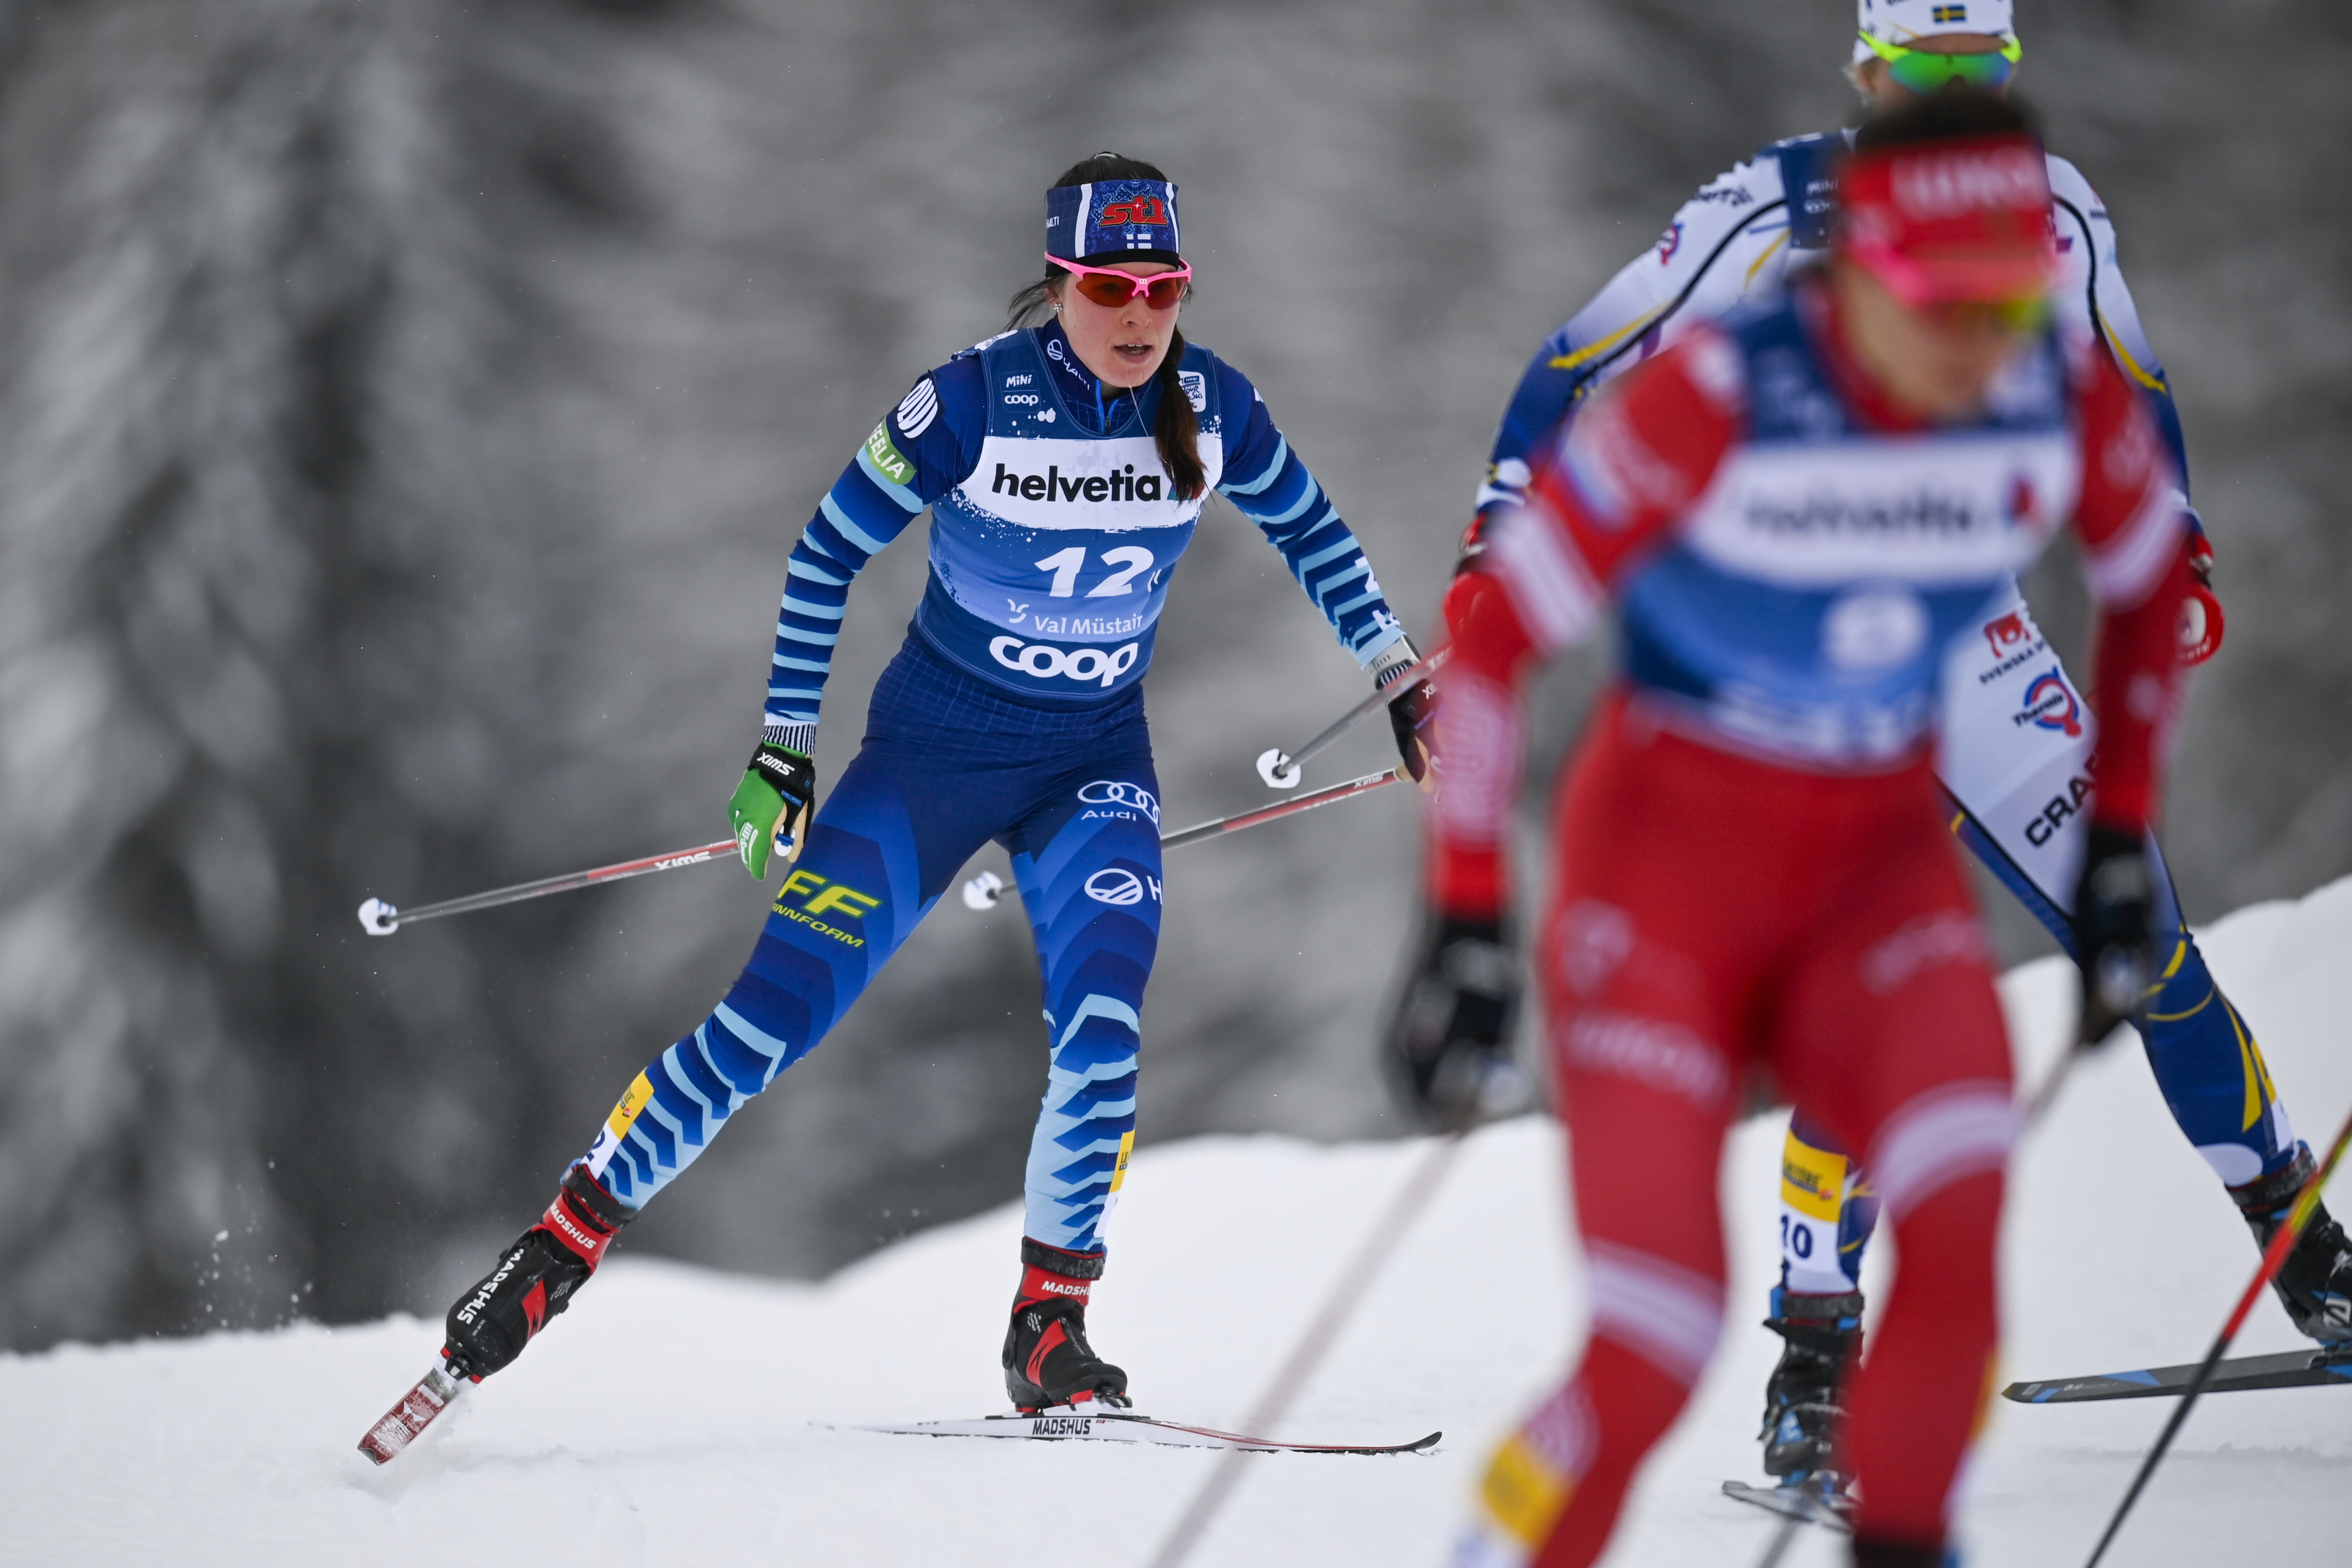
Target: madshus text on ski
column 1801, row 450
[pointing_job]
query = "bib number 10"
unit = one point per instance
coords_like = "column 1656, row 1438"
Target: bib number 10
column 1132, row 562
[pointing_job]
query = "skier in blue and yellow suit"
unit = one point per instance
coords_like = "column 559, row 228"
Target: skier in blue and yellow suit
column 1065, row 465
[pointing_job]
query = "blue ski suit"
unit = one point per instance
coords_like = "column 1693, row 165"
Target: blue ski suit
column 1015, row 713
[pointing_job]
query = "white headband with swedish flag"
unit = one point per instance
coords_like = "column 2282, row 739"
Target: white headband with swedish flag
column 1904, row 22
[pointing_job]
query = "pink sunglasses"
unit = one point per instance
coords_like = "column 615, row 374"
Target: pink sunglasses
column 1111, row 286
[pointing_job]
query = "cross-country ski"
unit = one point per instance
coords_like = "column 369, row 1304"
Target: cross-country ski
column 1801, row 1501
column 757, row 1396
column 2293, row 1369
column 1125, row 1427
column 424, row 1403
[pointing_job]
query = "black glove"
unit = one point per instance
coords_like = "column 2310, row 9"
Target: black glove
column 1413, row 715
column 2114, row 936
column 1449, row 1045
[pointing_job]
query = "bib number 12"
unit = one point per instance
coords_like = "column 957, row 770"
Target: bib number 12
column 1132, row 562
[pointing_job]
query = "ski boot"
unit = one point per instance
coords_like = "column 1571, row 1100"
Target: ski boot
column 2314, row 1282
column 535, row 1278
column 1047, row 1360
column 1800, row 1403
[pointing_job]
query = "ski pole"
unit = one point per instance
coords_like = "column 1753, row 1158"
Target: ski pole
column 378, row 918
column 1345, row 1292
column 2274, row 1256
column 982, row 892
column 1280, row 770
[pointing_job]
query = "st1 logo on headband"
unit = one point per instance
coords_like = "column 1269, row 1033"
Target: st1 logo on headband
column 1141, row 210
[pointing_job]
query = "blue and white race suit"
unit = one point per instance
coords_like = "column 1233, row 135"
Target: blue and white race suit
column 1013, row 712
column 2016, row 735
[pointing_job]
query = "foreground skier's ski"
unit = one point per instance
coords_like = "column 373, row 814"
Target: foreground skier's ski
column 1121, row 1426
column 2295, row 1369
column 434, row 1392
column 1803, row 1502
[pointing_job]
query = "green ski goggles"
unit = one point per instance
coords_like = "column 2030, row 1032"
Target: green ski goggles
column 1923, row 71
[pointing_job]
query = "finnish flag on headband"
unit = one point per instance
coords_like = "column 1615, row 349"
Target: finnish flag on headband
column 1111, row 215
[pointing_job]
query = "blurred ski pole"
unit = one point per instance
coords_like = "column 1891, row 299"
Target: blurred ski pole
column 2097, row 1021
column 1280, row 770
column 381, row 919
column 2273, row 1257
column 1345, row 1292
column 982, row 892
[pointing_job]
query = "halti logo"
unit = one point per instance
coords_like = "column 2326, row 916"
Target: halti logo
column 918, row 407
column 1119, row 887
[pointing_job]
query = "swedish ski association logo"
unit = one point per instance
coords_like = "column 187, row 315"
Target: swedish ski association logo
column 2050, row 703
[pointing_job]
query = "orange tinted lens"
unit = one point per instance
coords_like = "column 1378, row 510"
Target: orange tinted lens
column 1164, row 293
column 1106, row 288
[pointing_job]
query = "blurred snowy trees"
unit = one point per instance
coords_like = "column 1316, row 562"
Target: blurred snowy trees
column 405, row 406
column 278, row 561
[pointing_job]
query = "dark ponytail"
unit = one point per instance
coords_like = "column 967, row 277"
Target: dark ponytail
column 1174, row 430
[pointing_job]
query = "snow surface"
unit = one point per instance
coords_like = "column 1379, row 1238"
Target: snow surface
column 679, row 1415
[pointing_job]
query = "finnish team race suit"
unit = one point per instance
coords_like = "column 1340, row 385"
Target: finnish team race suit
column 1752, row 871
column 2017, row 736
column 1015, row 713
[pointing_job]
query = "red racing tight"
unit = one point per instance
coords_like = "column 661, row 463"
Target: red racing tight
column 1719, row 920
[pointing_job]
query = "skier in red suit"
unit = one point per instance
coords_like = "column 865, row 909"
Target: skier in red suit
column 1795, row 513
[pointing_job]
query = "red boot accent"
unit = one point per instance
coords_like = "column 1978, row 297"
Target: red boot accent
column 1044, row 1285
column 570, row 1221
column 1054, row 1336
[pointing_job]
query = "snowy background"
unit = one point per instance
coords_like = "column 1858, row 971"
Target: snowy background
column 405, row 406
column 680, row 1417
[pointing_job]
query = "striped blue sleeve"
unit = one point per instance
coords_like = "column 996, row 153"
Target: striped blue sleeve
column 1267, row 480
column 919, row 451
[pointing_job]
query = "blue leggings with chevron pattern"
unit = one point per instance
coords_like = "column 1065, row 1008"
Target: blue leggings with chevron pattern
column 949, row 764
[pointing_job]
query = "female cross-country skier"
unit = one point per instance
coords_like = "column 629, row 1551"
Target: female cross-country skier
column 1798, row 513
column 2017, row 735
column 1065, row 465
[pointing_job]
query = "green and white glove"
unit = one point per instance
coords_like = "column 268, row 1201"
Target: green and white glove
column 771, row 806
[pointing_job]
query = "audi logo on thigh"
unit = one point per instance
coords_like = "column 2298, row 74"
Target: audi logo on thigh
column 1046, row 662
column 1115, row 886
column 1120, row 792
